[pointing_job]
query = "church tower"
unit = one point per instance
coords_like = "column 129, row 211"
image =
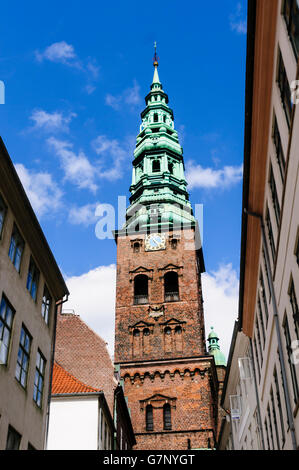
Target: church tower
column 170, row 380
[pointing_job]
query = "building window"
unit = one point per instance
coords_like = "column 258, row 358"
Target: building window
column 3, row 210
column 149, row 418
column 23, row 357
column 171, row 287
column 291, row 362
column 6, row 319
column 39, row 379
column 297, row 249
column 136, row 247
column 16, row 248
column 167, row 417
column 156, row 117
column 267, row 434
column 141, row 289
column 156, row 166
column 290, row 12
column 284, row 88
column 257, row 359
column 46, row 305
column 294, row 305
column 264, row 296
column 270, row 426
column 275, row 200
column 170, row 168
column 274, row 418
column 279, row 150
column 13, row 439
column 270, row 234
column 32, row 279
column 261, row 319
column 278, row 399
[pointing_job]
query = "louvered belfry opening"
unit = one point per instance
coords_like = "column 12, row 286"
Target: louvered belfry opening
column 141, row 289
column 171, row 286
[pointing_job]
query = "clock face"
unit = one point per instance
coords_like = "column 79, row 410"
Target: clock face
column 155, row 241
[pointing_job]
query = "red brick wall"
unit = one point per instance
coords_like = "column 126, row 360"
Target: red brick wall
column 159, row 366
column 188, row 309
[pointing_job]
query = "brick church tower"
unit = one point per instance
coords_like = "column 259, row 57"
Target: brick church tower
column 169, row 378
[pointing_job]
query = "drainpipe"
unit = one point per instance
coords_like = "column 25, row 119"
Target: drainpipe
column 257, row 397
column 60, row 302
column 277, row 327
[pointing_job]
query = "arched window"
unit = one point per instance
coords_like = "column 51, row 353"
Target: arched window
column 136, row 247
column 167, row 417
column 170, row 168
column 141, row 289
column 171, row 287
column 156, row 166
column 149, row 419
column 156, row 118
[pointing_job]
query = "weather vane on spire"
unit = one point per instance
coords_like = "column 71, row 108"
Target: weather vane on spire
column 155, row 56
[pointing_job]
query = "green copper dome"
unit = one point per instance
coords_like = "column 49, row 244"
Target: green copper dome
column 214, row 348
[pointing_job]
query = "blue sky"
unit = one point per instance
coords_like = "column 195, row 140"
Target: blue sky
column 76, row 74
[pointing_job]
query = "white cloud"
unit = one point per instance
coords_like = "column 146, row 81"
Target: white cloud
column 59, row 52
column 43, row 192
column 51, row 122
column 92, row 296
column 199, row 177
column 237, row 21
column 84, row 215
column 64, row 53
column 77, row 168
column 130, row 96
column 220, row 294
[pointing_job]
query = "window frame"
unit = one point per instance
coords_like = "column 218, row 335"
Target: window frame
column 19, row 243
column 167, row 424
column 46, row 307
column 288, row 18
column 280, row 157
column 171, row 295
column 39, row 375
column 6, row 325
column 149, row 418
column 32, row 279
column 16, row 435
column 284, row 88
column 24, row 352
column 3, row 211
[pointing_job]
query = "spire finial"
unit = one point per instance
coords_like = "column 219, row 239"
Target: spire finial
column 155, row 56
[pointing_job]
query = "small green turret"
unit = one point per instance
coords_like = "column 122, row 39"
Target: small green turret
column 214, row 348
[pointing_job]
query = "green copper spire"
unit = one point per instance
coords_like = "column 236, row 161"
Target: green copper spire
column 158, row 180
column 214, row 348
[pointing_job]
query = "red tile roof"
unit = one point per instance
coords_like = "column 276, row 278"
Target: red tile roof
column 64, row 382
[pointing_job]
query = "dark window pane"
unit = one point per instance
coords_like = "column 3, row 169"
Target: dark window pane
column 149, row 418
column 13, row 439
column 167, row 416
column 16, row 248
column 284, row 87
column 291, row 16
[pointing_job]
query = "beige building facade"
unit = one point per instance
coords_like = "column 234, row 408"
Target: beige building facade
column 269, row 273
column 31, row 288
